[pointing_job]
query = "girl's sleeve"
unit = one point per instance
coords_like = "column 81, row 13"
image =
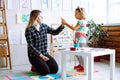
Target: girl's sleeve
column 29, row 40
column 79, row 22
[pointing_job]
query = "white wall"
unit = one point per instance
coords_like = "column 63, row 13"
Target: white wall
column 19, row 51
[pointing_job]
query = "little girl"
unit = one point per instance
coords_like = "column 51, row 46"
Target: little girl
column 80, row 34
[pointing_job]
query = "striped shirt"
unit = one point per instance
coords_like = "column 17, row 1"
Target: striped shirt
column 80, row 34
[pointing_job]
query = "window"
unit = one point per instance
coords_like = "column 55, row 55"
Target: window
column 114, row 11
column 102, row 11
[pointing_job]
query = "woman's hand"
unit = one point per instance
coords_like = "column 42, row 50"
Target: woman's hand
column 44, row 57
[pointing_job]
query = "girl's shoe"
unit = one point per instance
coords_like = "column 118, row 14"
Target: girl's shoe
column 78, row 66
column 80, row 69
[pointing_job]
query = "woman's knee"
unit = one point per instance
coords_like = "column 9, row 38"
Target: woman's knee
column 44, row 72
column 54, row 71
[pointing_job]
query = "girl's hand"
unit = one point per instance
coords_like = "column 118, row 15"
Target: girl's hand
column 63, row 21
column 75, row 41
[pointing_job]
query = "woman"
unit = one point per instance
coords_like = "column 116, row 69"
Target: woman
column 36, row 36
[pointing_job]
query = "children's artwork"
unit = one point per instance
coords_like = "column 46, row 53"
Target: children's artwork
column 22, row 17
column 61, row 41
column 45, row 4
column 24, row 4
column 56, row 4
column 66, row 36
column 36, row 4
column 66, row 5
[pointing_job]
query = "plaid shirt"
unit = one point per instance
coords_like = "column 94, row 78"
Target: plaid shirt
column 37, row 40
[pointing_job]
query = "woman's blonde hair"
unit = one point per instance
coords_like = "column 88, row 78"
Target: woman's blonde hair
column 33, row 16
column 82, row 12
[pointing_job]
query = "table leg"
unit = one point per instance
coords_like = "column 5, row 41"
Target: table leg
column 85, row 65
column 90, row 67
column 63, row 61
column 112, row 66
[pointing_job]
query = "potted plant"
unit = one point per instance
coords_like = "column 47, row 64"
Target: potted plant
column 95, row 35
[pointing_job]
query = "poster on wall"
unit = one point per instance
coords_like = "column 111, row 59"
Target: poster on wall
column 56, row 4
column 10, row 4
column 67, row 5
column 23, row 17
column 25, row 4
column 75, row 4
column 66, row 36
column 46, row 4
column 36, row 4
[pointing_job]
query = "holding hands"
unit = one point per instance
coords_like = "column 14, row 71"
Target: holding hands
column 63, row 21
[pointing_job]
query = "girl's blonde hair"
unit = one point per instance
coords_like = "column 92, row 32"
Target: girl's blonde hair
column 33, row 16
column 82, row 12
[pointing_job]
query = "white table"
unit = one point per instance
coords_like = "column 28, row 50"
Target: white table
column 88, row 54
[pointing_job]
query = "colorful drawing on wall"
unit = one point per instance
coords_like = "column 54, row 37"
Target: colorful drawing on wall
column 45, row 4
column 22, row 18
column 66, row 36
column 24, row 4
column 56, row 4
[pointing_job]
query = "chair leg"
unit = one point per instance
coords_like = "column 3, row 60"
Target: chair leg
column 6, row 61
column 10, row 63
column 9, row 55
